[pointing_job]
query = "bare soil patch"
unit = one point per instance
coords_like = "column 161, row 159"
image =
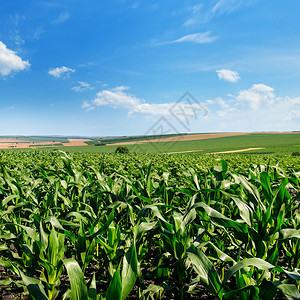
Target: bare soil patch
column 10, row 144
column 236, row 151
column 188, row 137
column 76, row 142
column 188, row 151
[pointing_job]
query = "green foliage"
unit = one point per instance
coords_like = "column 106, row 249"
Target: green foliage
column 122, row 150
column 84, row 226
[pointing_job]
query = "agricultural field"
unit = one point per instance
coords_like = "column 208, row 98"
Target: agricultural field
column 147, row 226
column 252, row 143
column 261, row 143
column 23, row 142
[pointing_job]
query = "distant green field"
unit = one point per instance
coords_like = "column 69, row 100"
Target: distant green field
column 122, row 139
column 272, row 143
column 36, row 139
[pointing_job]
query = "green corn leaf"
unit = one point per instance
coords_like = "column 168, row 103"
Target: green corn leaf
column 114, row 290
column 205, row 269
column 156, row 212
column 142, row 228
column 129, row 271
column 266, row 184
column 244, row 209
column 221, row 219
column 292, row 274
column 9, row 198
column 267, row 290
column 7, row 281
column 233, row 294
column 256, row 262
column 289, row 290
column 78, row 286
column 54, row 222
column 285, row 234
column 34, row 287
column 92, row 293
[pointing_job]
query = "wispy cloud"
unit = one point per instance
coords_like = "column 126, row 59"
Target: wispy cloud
column 16, row 19
column 61, row 18
column 227, row 6
column 204, row 13
column 14, row 31
column 198, row 38
column 87, row 106
column 37, row 33
column 10, row 61
column 60, row 71
column 83, row 86
column 228, row 75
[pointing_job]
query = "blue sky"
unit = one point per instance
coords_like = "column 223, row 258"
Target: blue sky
column 101, row 68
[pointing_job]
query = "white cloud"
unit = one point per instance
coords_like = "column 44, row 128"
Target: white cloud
column 10, row 61
column 61, row 18
column 257, row 95
column 226, row 6
column 255, row 109
column 87, row 106
column 222, row 103
column 82, row 87
column 210, row 102
column 37, row 33
column 117, row 98
column 16, row 19
column 59, row 71
column 228, row 75
column 198, row 38
column 207, row 10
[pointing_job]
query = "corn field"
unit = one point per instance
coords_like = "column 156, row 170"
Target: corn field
column 86, row 226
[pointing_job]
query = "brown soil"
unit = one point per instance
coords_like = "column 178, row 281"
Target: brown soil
column 183, row 151
column 236, row 151
column 9, row 143
column 189, row 137
column 76, row 142
column 194, row 137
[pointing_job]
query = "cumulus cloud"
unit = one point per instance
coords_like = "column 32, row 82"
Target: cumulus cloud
column 257, row 95
column 198, row 38
column 59, row 71
column 10, row 61
column 83, row 86
column 258, row 108
column 116, row 98
column 120, row 98
column 61, row 18
column 228, row 75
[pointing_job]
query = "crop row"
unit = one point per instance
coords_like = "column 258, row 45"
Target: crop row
column 149, row 227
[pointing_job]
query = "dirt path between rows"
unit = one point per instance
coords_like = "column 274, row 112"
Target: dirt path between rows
column 188, row 151
column 236, row 151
